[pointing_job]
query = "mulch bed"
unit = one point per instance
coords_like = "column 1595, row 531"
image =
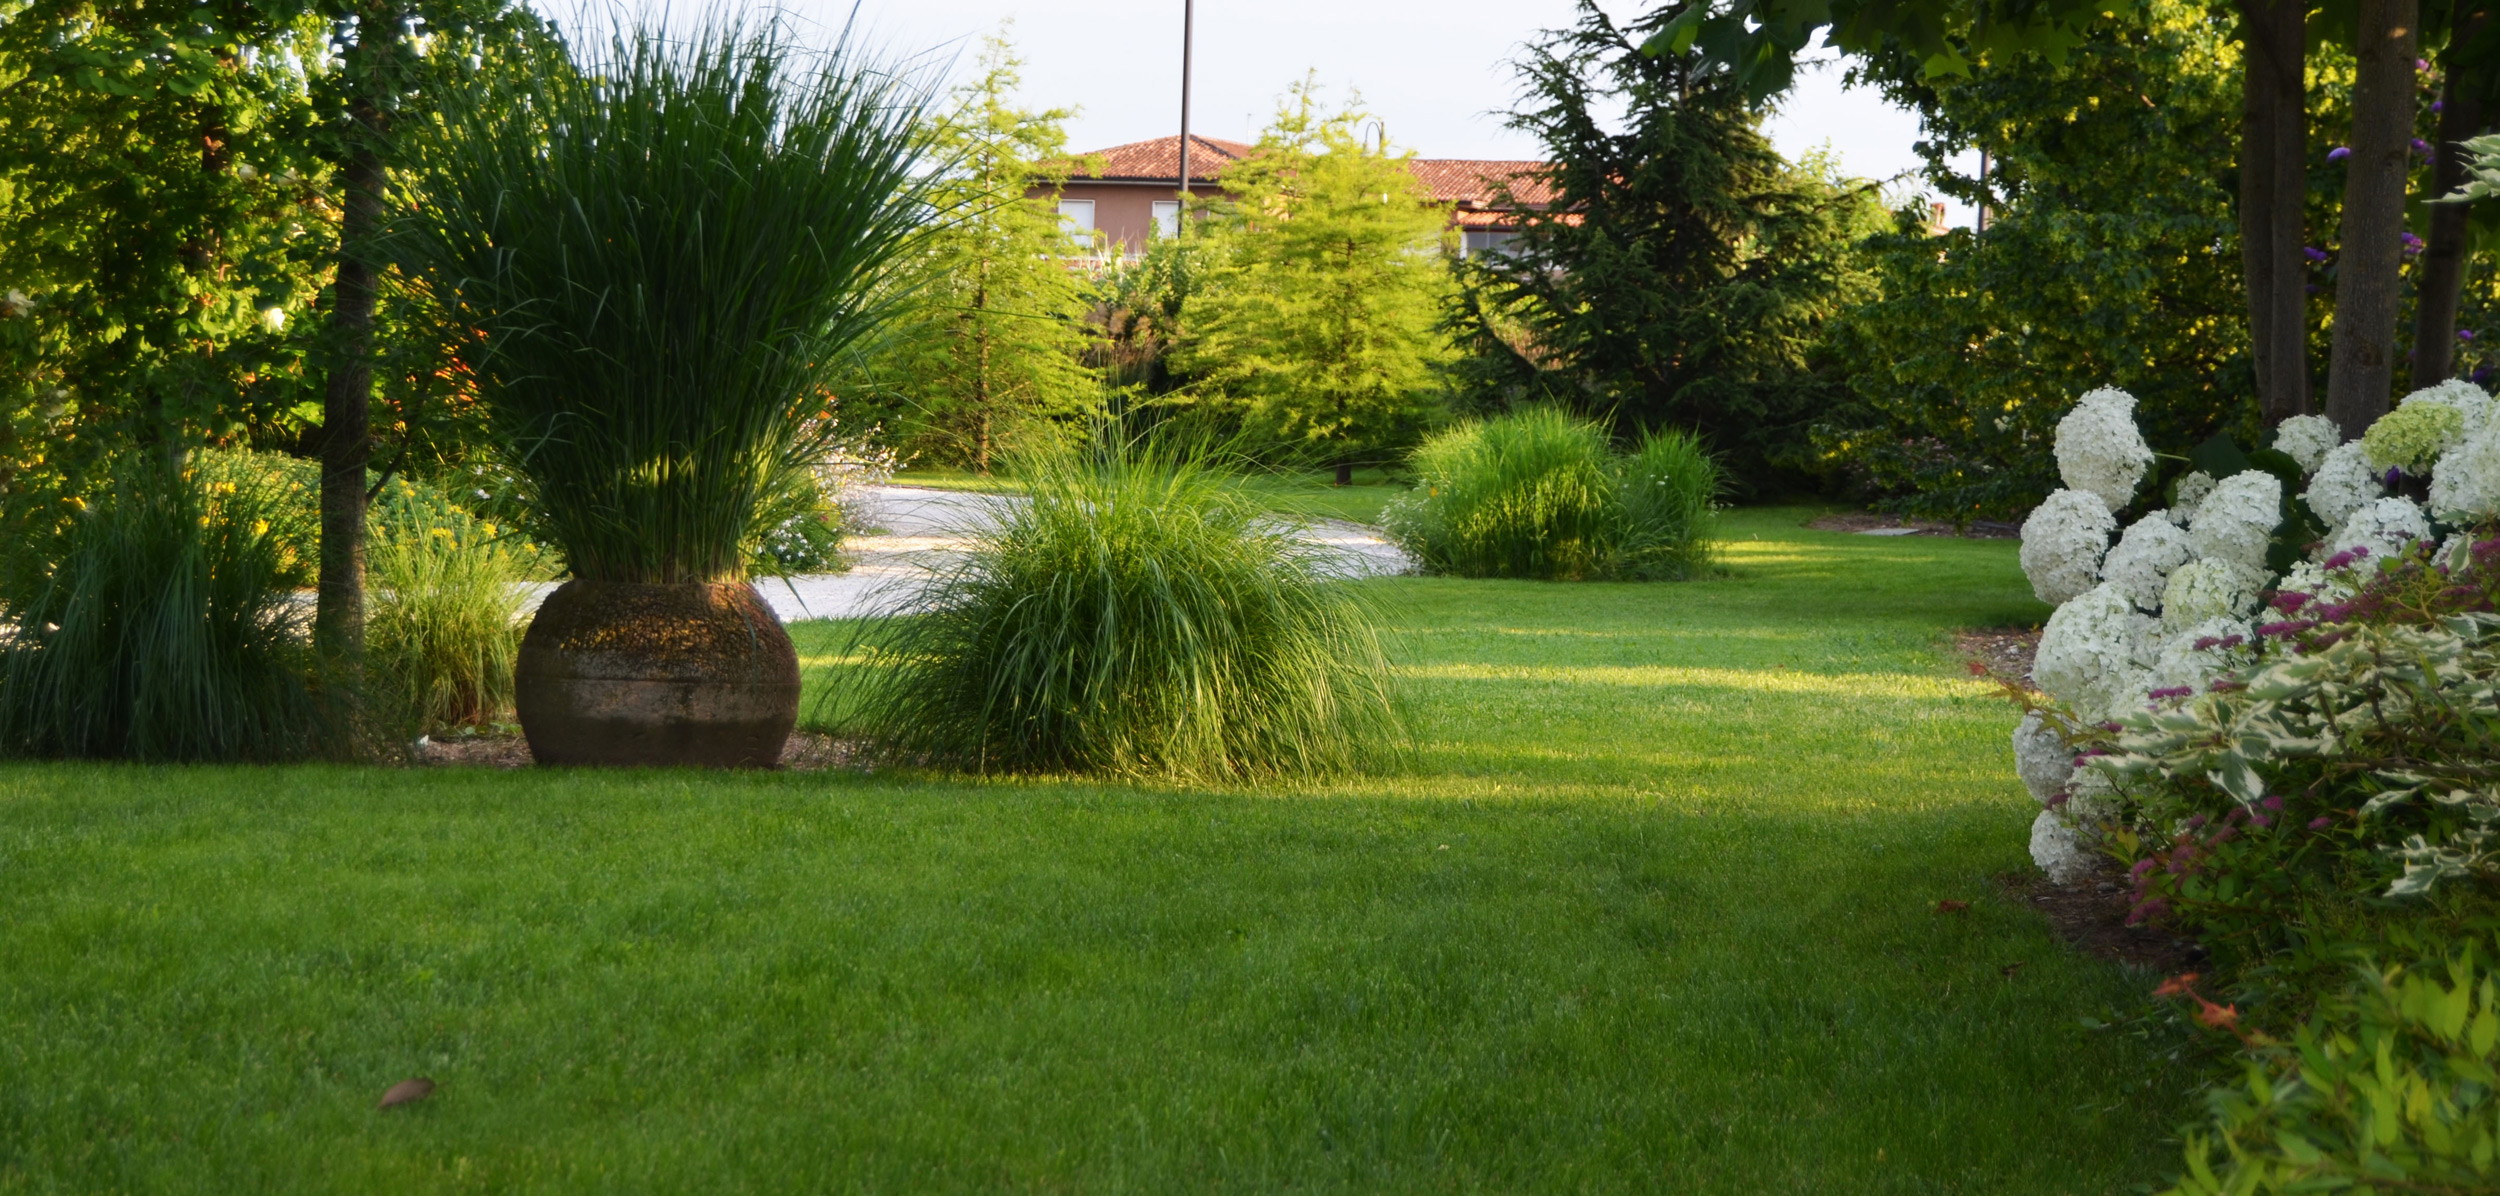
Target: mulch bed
column 1865, row 522
column 2003, row 653
column 807, row 751
column 2091, row 917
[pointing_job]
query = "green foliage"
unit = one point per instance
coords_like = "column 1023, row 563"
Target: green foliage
column 994, row 342
column 1540, row 493
column 651, row 261
column 2111, row 259
column 1683, row 272
column 1312, row 326
column 159, row 625
column 444, row 628
column 2389, row 1088
column 1132, row 615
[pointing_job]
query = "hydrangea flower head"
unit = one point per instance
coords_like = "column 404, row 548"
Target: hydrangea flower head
column 2470, row 400
column 2465, row 483
column 2063, row 541
column 2343, row 484
column 2207, row 589
column 2413, row 436
column 2099, row 450
column 2386, row 527
column 2187, row 494
column 2041, row 757
column 2235, row 522
column 2094, row 653
column 2195, row 655
column 2306, row 439
column 2141, row 564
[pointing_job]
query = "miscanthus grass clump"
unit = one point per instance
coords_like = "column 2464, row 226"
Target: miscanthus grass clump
column 1132, row 615
column 1540, row 493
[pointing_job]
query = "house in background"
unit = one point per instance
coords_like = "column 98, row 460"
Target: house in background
column 1135, row 197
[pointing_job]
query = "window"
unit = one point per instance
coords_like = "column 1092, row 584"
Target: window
column 1076, row 218
column 1168, row 217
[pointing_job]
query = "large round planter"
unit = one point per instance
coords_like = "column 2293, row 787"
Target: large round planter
column 617, row 673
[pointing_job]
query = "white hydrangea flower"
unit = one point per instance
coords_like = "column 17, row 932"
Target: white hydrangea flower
column 2307, row 578
column 2413, row 435
column 2145, row 555
column 2225, row 644
column 2238, row 518
column 2099, row 450
column 2307, row 439
column 2041, row 757
column 2188, row 494
column 2063, row 540
column 2386, row 527
column 2058, row 850
column 2090, row 797
column 2469, row 400
column 2343, row 484
column 2465, row 484
column 2094, row 654
column 2210, row 588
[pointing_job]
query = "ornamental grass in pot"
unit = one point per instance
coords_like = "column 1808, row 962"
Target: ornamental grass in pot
column 649, row 258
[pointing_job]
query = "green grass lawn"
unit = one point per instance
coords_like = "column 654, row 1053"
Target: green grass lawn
column 1310, row 493
column 1649, row 911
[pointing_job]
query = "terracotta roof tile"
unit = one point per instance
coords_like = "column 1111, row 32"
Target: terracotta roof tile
column 1160, row 158
column 1471, row 181
column 1462, row 182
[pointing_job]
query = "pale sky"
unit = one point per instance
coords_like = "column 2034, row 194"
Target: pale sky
column 1435, row 73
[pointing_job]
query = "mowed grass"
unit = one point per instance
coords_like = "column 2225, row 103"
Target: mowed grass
column 1650, row 910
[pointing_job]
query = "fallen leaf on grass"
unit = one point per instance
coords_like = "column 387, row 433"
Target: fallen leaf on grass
column 2011, row 968
column 406, row 1091
column 1952, row 907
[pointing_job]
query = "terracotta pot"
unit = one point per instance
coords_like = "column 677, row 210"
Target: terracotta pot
column 621, row 674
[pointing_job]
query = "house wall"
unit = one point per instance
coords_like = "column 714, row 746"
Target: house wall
column 1126, row 210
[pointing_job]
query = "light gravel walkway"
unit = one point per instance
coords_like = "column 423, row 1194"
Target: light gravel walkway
column 923, row 527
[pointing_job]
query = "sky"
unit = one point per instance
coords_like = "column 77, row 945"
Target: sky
column 1435, row 73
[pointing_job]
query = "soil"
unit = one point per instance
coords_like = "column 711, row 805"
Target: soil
column 1866, row 522
column 2091, row 917
column 2004, row 653
column 807, row 751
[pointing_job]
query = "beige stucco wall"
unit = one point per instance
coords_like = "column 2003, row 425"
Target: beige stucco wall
column 1126, row 210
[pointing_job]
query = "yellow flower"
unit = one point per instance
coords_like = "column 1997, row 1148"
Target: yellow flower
column 260, row 527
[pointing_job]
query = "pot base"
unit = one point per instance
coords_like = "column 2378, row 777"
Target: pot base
column 619, row 674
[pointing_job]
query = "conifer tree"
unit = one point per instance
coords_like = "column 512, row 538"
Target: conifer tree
column 997, row 346
column 1317, row 325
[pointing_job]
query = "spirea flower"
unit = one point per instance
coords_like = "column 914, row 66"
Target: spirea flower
column 2343, row 484
column 2210, row 588
column 2194, row 656
column 2386, row 527
column 2465, row 483
column 2094, row 654
column 2306, row 439
column 2238, row 518
column 2041, row 757
column 2063, row 541
column 2099, row 450
column 2187, row 494
column 2412, row 436
column 2140, row 566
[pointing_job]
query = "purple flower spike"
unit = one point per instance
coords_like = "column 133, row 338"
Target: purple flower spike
column 2421, row 64
column 2411, row 241
column 2207, row 643
column 2196, row 822
column 2313, row 253
column 2320, row 823
column 2289, row 601
column 2288, row 627
column 2439, row 105
column 2339, row 153
column 2274, row 801
column 2260, row 821
column 2172, row 691
column 2421, row 147
column 2345, row 558
column 2465, row 334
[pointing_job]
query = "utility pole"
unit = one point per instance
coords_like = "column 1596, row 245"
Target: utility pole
column 1189, row 21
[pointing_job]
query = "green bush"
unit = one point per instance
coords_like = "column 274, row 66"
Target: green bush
column 160, row 624
column 1135, row 616
column 2390, row 1088
column 1540, row 493
column 443, row 628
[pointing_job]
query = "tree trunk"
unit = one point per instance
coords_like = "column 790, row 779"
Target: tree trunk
column 2440, row 281
column 347, row 398
column 2274, row 134
column 2370, row 261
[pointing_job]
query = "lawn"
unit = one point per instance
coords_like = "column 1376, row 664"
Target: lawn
column 1650, row 910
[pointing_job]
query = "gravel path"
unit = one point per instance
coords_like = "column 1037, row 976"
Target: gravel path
column 925, row 527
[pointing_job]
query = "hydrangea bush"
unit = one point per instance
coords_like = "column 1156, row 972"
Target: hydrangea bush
column 2201, row 592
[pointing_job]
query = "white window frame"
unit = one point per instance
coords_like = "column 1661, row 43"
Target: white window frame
column 1076, row 219
column 1167, row 216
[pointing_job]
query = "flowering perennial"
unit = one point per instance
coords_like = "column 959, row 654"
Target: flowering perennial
column 2099, row 450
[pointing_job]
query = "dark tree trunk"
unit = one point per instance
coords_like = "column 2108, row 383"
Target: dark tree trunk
column 2440, row 280
column 2274, row 134
column 2370, row 260
column 347, row 398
